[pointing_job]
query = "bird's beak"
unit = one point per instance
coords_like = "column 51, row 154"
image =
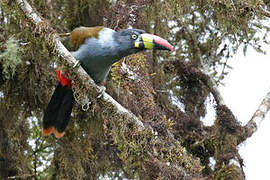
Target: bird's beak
column 150, row 41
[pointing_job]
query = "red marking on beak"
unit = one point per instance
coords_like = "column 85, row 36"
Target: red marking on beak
column 161, row 43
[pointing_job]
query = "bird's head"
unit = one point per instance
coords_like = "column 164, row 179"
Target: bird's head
column 137, row 40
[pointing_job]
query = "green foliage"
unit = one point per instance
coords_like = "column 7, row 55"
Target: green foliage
column 41, row 154
column 11, row 58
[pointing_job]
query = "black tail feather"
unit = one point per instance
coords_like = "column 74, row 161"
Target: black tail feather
column 51, row 112
column 65, row 110
column 58, row 111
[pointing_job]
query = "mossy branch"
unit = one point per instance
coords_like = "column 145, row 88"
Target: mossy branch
column 258, row 116
column 208, row 81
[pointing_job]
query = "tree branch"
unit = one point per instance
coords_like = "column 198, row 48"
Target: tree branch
column 264, row 12
column 24, row 176
column 252, row 126
column 209, row 82
column 52, row 38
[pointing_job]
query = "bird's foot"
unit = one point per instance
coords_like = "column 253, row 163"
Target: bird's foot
column 76, row 64
column 101, row 92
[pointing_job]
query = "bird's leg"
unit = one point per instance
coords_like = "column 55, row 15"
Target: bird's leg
column 102, row 89
column 76, row 64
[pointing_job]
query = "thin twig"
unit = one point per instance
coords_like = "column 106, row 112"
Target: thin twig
column 23, row 176
column 264, row 11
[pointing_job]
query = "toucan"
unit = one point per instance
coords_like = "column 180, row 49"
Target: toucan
column 97, row 49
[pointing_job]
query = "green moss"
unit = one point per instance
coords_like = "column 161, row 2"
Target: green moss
column 136, row 61
column 11, row 58
column 138, row 151
column 228, row 172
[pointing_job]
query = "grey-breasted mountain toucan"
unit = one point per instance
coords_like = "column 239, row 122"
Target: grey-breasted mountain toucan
column 98, row 48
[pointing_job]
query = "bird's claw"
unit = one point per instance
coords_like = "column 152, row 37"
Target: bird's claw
column 102, row 91
column 77, row 63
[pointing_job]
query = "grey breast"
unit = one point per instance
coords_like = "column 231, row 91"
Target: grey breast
column 96, row 58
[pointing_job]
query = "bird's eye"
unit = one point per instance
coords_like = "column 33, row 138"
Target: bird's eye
column 134, row 36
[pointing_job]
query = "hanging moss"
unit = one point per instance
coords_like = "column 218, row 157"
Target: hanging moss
column 226, row 120
column 11, row 58
column 228, row 172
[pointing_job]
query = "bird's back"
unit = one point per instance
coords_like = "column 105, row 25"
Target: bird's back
column 95, row 49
